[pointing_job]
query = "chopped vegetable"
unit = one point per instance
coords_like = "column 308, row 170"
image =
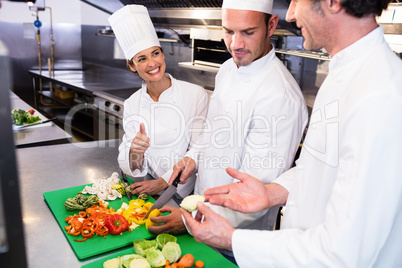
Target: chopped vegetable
column 80, row 202
column 143, row 197
column 136, row 211
column 155, row 257
column 127, row 259
column 116, row 224
column 20, row 117
column 171, row 251
column 190, row 202
column 139, row 263
column 119, row 187
column 141, row 246
column 112, row 263
column 186, row 261
column 89, row 222
column 162, row 239
column 103, row 188
column 199, row 264
column 154, row 213
column 71, row 204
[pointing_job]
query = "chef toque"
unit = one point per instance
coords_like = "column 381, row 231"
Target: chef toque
column 264, row 6
column 133, row 29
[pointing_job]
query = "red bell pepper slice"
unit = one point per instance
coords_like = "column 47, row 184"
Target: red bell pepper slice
column 116, row 224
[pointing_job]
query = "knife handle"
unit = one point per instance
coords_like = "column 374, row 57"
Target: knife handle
column 177, row 180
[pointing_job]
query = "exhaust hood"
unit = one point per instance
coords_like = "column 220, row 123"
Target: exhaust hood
column 190, row 13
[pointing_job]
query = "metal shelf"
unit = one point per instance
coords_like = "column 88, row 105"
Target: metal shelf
column 200, row 67
column 318, row 55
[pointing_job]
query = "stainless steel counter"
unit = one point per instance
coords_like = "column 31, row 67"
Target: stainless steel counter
column 95, row 78
column 49, row 168
column 36, row 136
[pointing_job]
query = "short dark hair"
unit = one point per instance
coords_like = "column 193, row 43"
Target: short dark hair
column 362, row 8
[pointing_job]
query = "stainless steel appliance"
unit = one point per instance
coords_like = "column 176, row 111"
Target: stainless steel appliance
column 108, row 119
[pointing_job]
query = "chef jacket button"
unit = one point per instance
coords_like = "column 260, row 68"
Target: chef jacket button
column 338, row 79
column 227, row 111
column 300, row 166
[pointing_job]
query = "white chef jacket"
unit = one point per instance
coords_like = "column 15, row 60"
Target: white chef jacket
column 255, row 122
column 172, row 124
column 344, row 207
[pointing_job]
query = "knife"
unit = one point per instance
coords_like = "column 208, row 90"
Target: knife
column 125, row 183
column 169, row 192
column 37, row 123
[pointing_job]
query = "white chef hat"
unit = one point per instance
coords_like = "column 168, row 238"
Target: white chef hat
column 264, row 6
column 133, row 29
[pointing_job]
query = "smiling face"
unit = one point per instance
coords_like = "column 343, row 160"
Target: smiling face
column 311, row 19
column 149, row 64
column 246, row 35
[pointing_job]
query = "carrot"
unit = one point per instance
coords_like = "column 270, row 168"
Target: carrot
column 186, row 261
column 199, row 264
column 167, row 265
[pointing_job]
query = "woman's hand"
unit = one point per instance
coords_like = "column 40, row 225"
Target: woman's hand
column 173, row 223
column 150, row 187
column 138, row 147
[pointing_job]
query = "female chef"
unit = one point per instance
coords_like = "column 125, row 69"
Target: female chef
column 162, row 118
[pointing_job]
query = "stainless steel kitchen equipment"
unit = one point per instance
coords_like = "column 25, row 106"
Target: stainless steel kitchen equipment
column 108, row 121
column 12, row 245
column 96, row 110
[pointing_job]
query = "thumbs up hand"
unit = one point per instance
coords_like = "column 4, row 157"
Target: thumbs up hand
column 138, row 147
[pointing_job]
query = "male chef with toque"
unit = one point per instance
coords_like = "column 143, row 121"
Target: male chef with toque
column 256, row 115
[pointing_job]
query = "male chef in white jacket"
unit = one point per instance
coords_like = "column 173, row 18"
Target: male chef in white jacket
column 257, row 114
column 344, row 197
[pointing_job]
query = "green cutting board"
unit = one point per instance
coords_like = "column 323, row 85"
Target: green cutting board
column 97, row 244
column 210, row 257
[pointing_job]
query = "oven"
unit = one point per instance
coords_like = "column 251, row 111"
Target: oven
column 108, row 117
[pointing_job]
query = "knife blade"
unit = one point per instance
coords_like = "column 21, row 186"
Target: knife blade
column 125, row 183
column 37, row 123
column 167, row 194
